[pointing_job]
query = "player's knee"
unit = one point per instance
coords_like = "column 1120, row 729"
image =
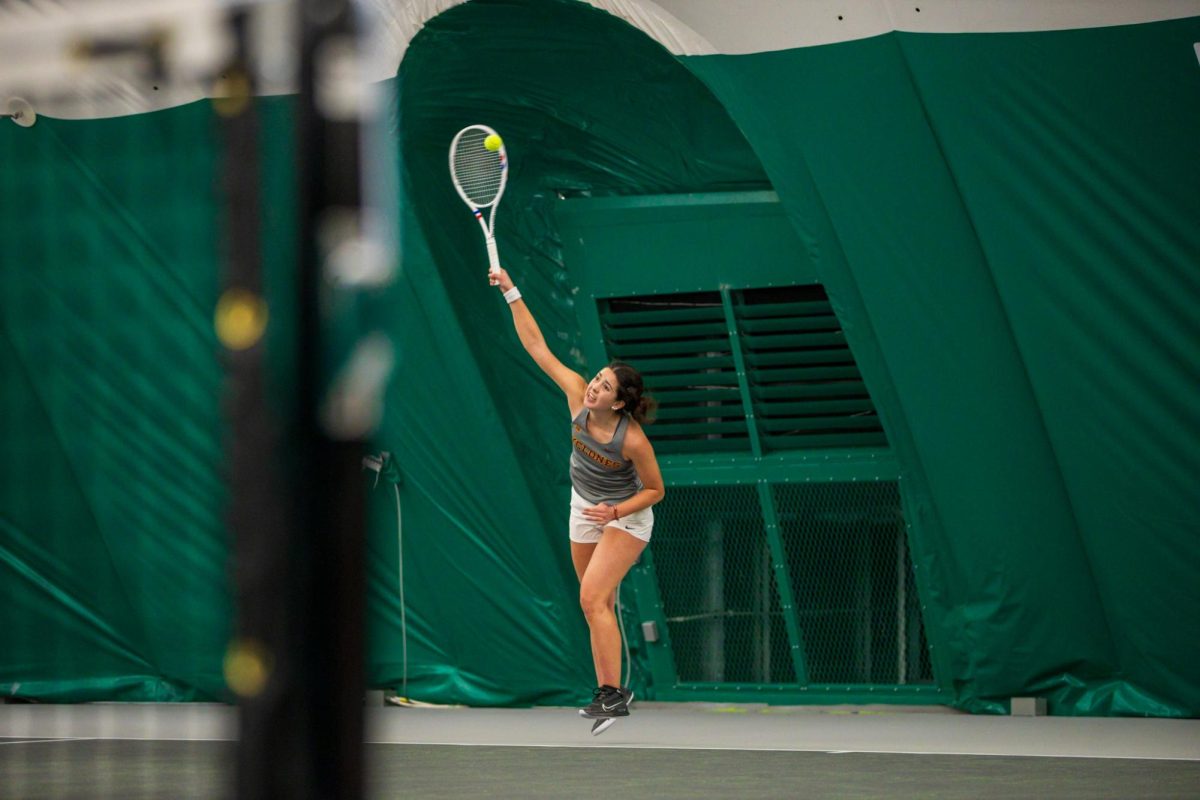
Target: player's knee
column 594, row 604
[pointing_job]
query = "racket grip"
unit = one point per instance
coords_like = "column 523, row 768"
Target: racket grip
column 493, row 261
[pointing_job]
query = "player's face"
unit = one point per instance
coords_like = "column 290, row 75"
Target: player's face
column 602, row 391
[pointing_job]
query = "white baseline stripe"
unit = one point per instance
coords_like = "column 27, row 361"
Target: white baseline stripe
column 756, row 749
column 905, row 733
column 627, row 746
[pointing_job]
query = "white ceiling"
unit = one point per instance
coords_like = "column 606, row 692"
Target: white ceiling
column 39, row 39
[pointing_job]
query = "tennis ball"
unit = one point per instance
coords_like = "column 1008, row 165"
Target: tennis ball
column 492, row 142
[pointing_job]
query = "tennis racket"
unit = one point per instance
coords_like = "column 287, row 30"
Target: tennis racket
column 479, row 173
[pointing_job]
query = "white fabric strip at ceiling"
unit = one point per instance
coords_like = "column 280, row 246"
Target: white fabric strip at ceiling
column 41, row 40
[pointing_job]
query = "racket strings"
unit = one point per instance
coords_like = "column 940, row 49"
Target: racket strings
column 478, row 171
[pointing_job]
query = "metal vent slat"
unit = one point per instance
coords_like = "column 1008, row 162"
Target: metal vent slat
column 710, row 394
column 839, row 355
column 717, row 380
column 701, row 428
column 637, row 333
column 812, row 388
column 822, row 322
column 860, row 405
column 792, row 341
column 694, row 365
column 801, row 374
column 799, row 424
column 799, row 308
column 673, row 347
column 728, row 410
column 670, row 314
column 862, row 439
column 723, row 444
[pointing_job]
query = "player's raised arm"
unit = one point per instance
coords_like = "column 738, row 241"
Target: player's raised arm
column 572, row 383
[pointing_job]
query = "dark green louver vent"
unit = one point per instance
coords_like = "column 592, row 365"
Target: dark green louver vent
column 680, row 344
column 799, row 375
column 805, row 387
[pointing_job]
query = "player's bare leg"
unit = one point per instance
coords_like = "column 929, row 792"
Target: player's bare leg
column 609, row 562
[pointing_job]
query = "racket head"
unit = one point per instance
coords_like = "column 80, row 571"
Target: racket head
column 479, row 175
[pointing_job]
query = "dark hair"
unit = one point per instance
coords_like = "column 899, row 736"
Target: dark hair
column 638, row 404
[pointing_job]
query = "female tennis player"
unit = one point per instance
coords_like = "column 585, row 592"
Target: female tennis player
column 614, row 481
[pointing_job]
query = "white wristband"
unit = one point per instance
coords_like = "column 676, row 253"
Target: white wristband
column 512, row 295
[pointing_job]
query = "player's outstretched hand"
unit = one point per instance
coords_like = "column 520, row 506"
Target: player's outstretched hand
column 504, row 283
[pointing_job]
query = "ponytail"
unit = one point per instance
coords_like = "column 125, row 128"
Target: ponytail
column 631, row 391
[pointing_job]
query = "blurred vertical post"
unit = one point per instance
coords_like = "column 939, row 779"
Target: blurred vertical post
column 297, row 663
column 332, row 488
column 264, row 662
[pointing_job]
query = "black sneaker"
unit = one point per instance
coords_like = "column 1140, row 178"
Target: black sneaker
column 608, row 702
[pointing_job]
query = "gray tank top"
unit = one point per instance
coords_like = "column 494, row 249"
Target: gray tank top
column 599, row 473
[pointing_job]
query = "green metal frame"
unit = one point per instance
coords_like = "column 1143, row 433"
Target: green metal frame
column 715, row 262
column 867, row 464
column 783, row 581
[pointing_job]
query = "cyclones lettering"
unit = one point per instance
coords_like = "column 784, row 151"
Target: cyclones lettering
column 603, row 461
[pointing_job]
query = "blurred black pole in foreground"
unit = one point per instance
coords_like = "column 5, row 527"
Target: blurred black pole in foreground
column 332, row 489
column 297, row 509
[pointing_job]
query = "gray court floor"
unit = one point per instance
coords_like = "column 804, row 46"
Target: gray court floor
column 662, row 751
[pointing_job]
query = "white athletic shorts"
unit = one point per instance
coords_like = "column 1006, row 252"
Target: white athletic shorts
column 585, row 531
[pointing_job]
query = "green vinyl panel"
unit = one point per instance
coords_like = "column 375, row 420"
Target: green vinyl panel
column 590, row 108
column 706, row 231
column 114, row 553
column 112, row 537
column 112, row 543
column 588, row 179
column 1003, row 223
column 1078, row 168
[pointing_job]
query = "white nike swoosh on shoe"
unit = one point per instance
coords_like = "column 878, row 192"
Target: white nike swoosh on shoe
column 609, row 708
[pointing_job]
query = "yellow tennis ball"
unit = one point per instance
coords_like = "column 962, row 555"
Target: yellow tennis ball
column 492, row 142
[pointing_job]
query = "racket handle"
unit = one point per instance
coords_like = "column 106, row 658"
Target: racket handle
column 493, row 261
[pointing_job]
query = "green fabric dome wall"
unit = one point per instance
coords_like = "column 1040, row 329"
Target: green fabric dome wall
column 1005, row 224
column 980, row 233
column 587, row 105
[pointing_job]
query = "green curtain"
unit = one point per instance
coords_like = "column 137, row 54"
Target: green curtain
column 480, row 434
column 112, row 544
column 1007, row 226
